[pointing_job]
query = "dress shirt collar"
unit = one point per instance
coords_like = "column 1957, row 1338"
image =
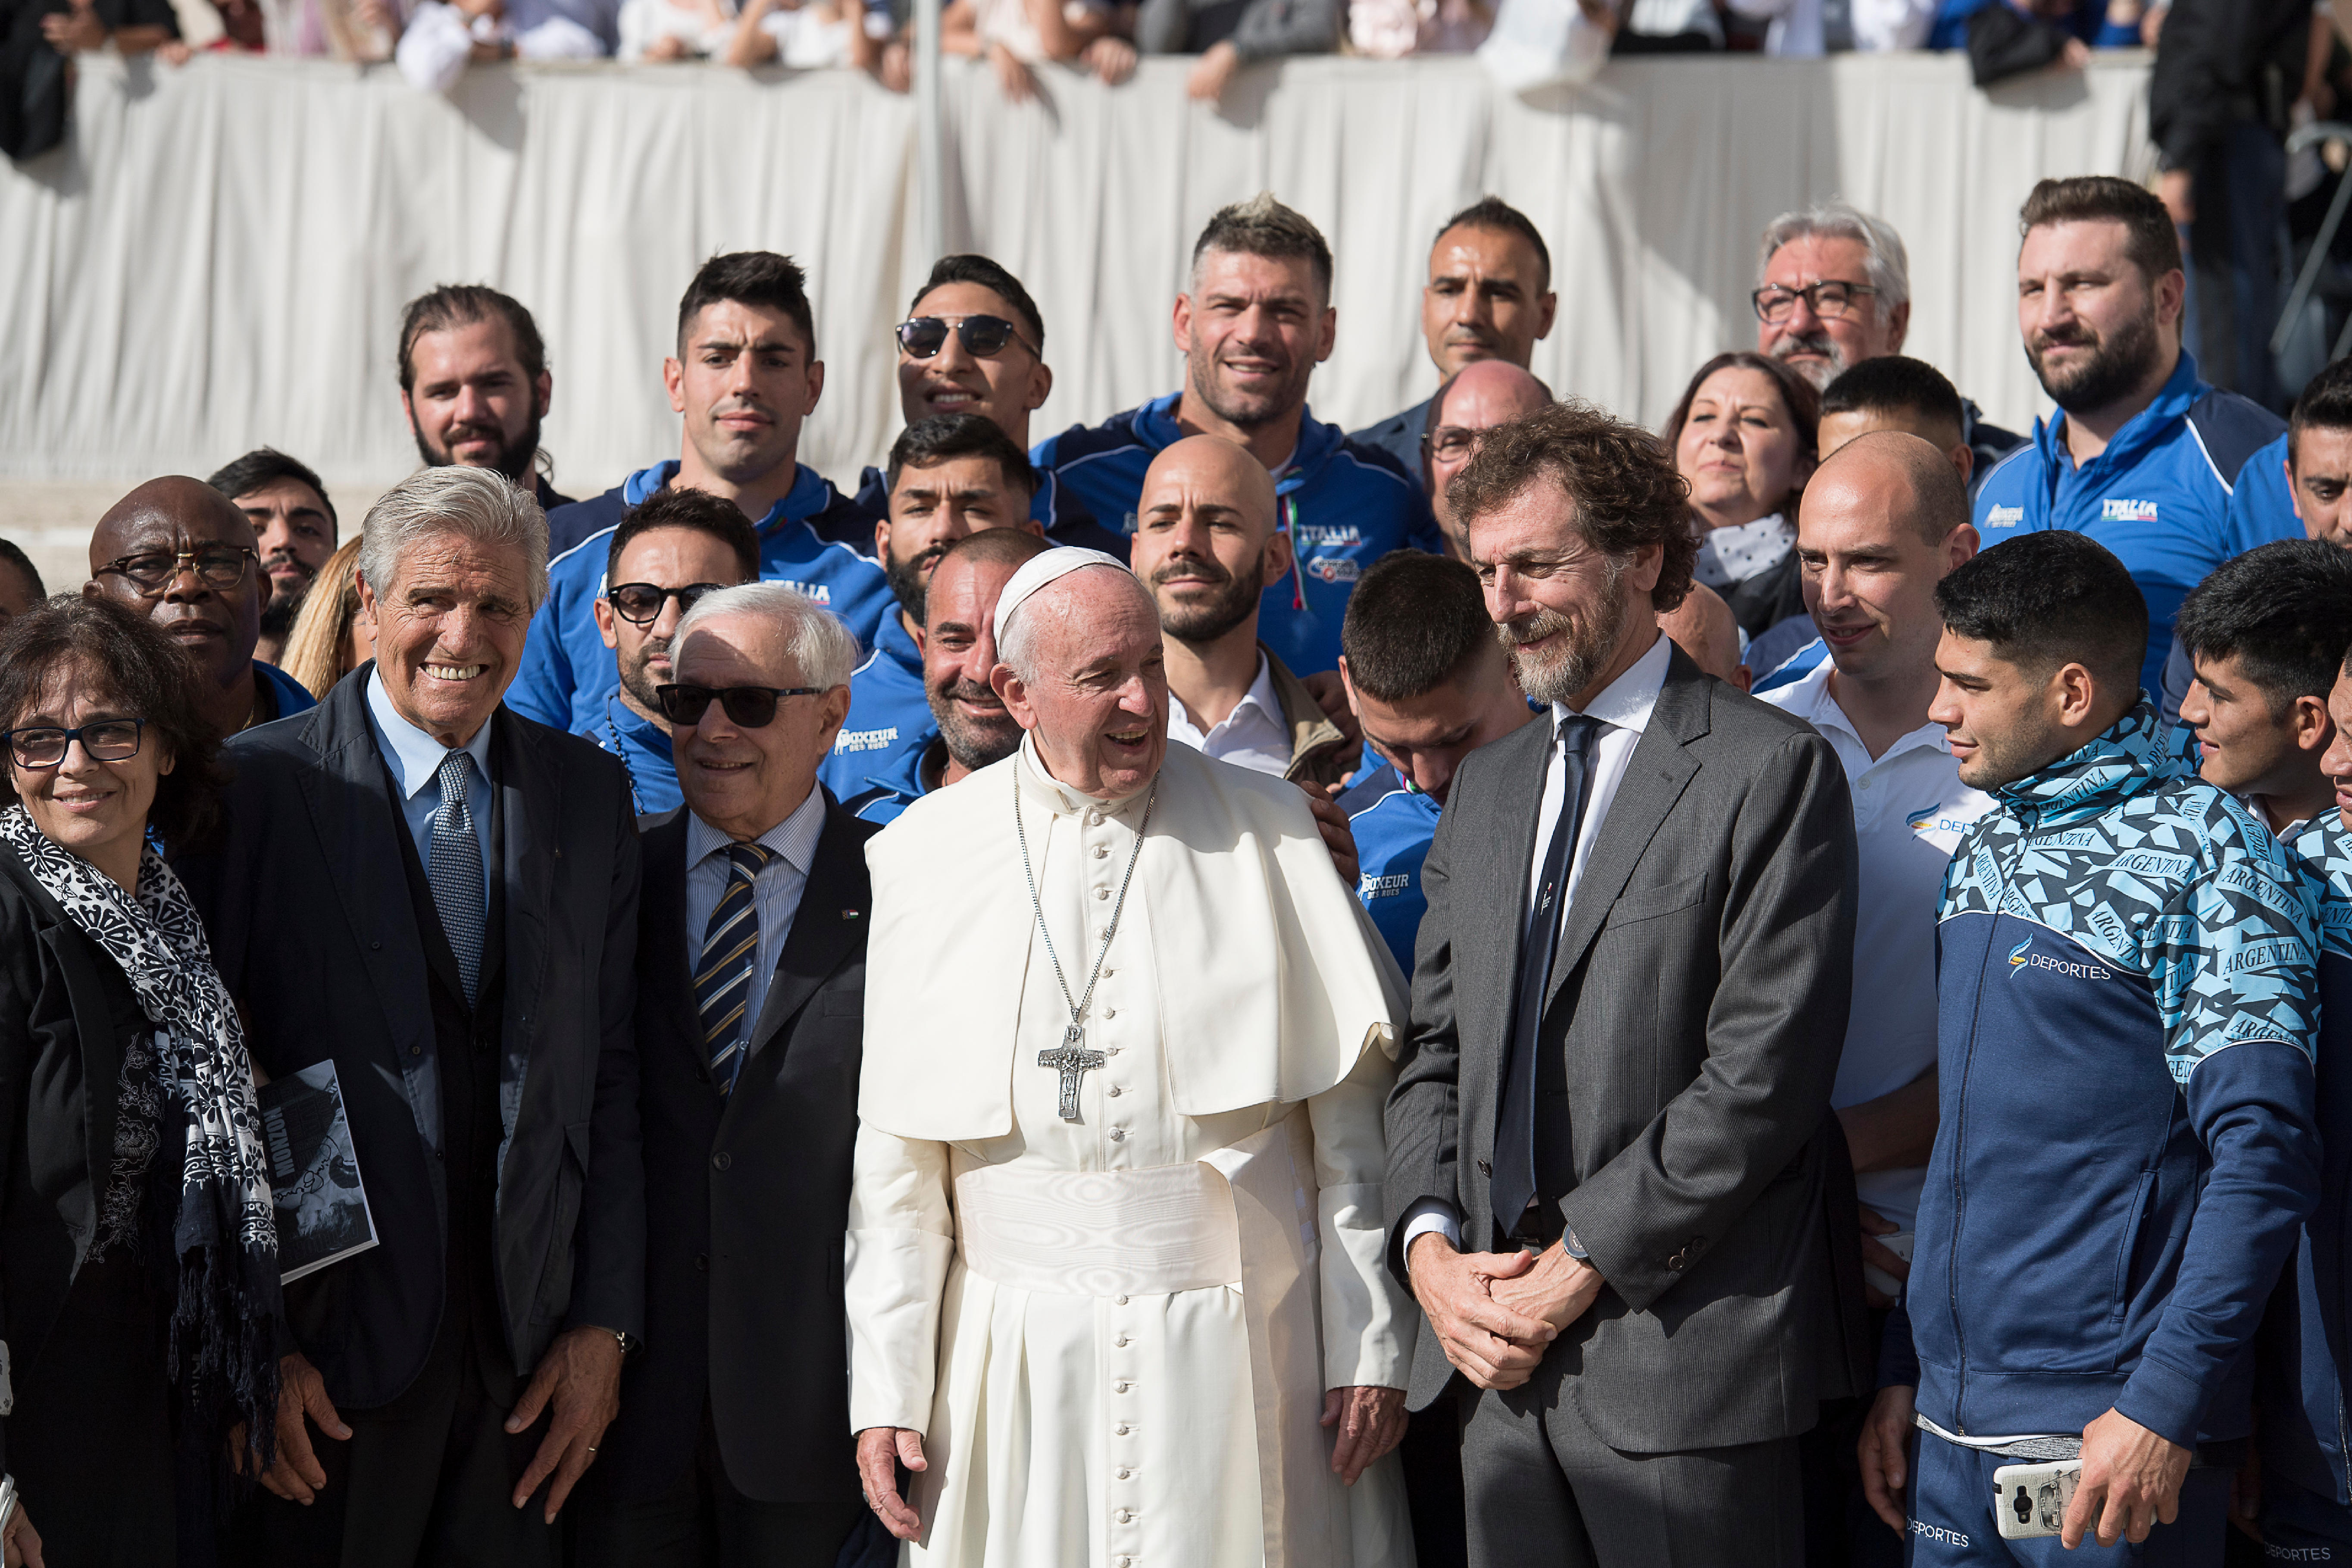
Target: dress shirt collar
column 1260, row 696
column 1810, row 699
column 415, row 756
column 1626, row 702
column 795, row 838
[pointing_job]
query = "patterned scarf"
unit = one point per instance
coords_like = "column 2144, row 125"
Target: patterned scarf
column 225, row 1234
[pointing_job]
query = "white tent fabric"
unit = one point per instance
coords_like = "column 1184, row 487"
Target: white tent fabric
column 217, row 256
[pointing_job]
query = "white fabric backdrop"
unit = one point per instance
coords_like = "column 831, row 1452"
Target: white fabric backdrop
column 218, row 255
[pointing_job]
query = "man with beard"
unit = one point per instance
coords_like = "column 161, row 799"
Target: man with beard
column 677, row 547
column 293, row 527
column 1833, row 289
column 1483, row 395
column 1604, row 1183
column 475, row 385
column 175, row 550
column 1488, row 297
column 1207, row 547
column 2143, row 454
column 1254, row 322
column 951, row 476
column 969, row 728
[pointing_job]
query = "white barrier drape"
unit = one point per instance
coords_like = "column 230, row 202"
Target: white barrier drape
column 218, row 255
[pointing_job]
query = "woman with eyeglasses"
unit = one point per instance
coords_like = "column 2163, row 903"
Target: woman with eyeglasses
column 138, row 1251
column 1743, row 438
column 332, row 636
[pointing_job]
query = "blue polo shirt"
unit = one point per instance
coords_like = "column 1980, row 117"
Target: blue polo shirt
column 1393, row 823
column 643, row 748
column 567, row 671
column 2158, row 496
column 889, row 720
column 1345, row 505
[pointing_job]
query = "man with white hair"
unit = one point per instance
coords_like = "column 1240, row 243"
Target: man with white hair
column 1119, row 1176
column 438, row 899
column 1833, row 289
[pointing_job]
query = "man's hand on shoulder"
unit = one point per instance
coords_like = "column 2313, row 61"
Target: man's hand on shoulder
column 580, row 1376
column 880, row 1451
column 1488, row 1342
column 1337, row 837
column 1554, row 1287
column 2131, row 1483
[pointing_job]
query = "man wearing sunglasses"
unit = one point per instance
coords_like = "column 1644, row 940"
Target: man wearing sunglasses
column 178, row 552
column 745, row 376
column 671, row 552
column 1253, row 323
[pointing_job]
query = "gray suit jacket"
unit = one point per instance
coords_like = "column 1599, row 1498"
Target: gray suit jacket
column 1699, row 992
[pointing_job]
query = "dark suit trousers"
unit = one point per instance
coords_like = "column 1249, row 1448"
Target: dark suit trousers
column 1542, row 1488
column 704, row 1522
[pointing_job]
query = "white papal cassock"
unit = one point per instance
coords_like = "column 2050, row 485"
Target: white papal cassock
column 1107, row 1329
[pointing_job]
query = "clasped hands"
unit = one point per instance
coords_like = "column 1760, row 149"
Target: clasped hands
column 1495, row 1313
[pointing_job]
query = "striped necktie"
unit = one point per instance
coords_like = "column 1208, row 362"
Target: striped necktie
column 455, row 873
column 731, row 945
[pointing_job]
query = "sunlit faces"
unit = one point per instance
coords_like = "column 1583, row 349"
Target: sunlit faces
column 216, row 625
column 1097, row 704
column 2336, row 760
column 744, row 378
column 1487, row 393
column 933, row 506
column 1818, row 345
column 2095, row 326
column 2244, row 747
column 471, row 404
column 1486, row 299
column 1564, row 610
column 2001, row 721
column 1740, row 450
column 1005, row 389
column 1868, row 573
column 959, row 642
column 1206, row 539
column 292, row 531
column 1253, row 329
column 668, row 558
column 449, row 632
column 2320, row 480
column 743, row 781
column 95, row 809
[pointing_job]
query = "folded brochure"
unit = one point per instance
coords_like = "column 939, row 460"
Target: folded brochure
column 314, row 1173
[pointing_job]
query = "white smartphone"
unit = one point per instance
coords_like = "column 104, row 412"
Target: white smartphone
column 2030, row 1500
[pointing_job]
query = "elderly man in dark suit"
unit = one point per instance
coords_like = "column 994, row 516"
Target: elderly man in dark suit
column 733, row 1445
column 442, row 899
column 1604, row 1184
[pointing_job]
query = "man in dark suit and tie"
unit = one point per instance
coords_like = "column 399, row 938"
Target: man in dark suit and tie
column 441, row 897
column 733, row 1444
column 1630, row 991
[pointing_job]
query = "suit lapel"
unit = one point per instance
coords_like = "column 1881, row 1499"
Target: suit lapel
column 529, row 844
column 1505, row 895
column 663, row 941
column 829, row 922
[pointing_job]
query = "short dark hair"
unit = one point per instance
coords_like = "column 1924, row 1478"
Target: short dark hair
column 2151, row 242
column 266, row 465
column 462, row 305
column 758, row 277
column 1412, row 622
column 2048, row 599
column 2284, row 608
column 11, row 556
column 2326, row 402
column 945, row 436
column 697, row 511
column 1621, row 479
column 1896, row 383
column 145, row 670
column 1495, row 213
column 986, row 273
column 1264, row 226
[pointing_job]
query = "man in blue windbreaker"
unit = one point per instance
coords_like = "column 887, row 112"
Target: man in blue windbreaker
column 2125, row 1149
column 1254, row 324
column 745, row 376
column 2142, row 455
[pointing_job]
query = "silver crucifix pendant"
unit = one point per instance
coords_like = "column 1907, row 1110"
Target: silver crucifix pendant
column 1072, row 1062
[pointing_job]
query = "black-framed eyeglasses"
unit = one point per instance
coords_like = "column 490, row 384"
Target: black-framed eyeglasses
column 1832, row 300
column 751, row 707
column 45, row 745
column 1454, row 443
column 220, row 566
column 640, row 604
column 982, row 336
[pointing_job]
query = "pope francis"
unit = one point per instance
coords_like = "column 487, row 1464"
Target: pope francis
column 1115, row 1283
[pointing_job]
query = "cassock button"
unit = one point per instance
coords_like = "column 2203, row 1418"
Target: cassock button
column 1124, row 1515
column 1102, row 851
column 722, row 1160
column 1121, row 1386
column 1115, row 1091
column 1122, row 1344
column 1125, row 1474
column 1120, row 1430
column 1118, row 1301
column 1119, row 1135
column 1109, row 1013
column 1102, row 892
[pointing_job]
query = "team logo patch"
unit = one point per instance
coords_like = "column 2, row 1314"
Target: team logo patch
column 850, row 741
column 1382, row 887
column 1333, row 569
column 819, row 592
column 1331, row 535
column 2020, row 954
column 2004, row 516
column 2113, row 509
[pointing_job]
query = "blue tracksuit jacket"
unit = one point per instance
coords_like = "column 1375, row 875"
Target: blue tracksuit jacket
column 889, row 720
column 2158, row 496
column 2127, row 996
column 882, row 798
column 1346, row 506
column 1393, row 823
column 567, row 671
column 643, row 748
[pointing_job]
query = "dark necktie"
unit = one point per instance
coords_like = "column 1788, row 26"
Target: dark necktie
column 454, row 872
column 731, row 945
column 1515, row 1127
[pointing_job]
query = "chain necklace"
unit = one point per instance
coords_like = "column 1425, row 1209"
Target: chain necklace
column 1072, row 1059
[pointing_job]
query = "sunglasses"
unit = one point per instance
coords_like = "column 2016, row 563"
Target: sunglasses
column 43, row 746
column 982, row 336
column 750, row 707
column 640, row 604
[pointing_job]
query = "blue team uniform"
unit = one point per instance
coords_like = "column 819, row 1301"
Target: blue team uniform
column 889, row 720
column 1791, row 669
column 2261, row 508
column 567, row 671
column 292, row 696
column 2158, row 496
column 643, row 748
column 2126, row 1148
column 1345, row 505
column 882, row 799
column 1393, row 823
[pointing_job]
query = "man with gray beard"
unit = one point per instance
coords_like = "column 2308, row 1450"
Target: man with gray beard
column 1608, row 1138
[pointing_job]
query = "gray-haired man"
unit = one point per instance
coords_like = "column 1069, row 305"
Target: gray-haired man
column 439, row 897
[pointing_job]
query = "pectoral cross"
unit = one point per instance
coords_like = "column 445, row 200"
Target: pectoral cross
column 1072, row 1062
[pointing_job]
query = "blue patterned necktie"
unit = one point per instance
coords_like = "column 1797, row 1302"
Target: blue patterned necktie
column 722, row 980
column 456, row 872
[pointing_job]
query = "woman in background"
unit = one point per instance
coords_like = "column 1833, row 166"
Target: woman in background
column 331, row 637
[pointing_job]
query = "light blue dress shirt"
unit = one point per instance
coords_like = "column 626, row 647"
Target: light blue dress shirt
column 775, row 891
column 415, row 761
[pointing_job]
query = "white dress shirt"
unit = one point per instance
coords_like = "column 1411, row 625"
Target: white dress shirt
column 1623, row 709
column 1909, row 811
column 775, row 891
column 416, row 759
column 1252, row 736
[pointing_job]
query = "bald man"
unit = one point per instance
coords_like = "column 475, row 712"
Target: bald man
column 1207, row 547
column 178, row 552
column 1703, row 626
column 1882, row 521
column 1486, row 394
